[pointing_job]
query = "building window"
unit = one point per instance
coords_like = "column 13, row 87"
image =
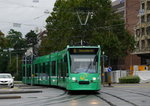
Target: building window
column 143, row 44
column 142, row 19
column 148, row 18
column 148, row 41
column 137, row 45
column 148, row 5
column 148, row 30
column 137, row 32
column 143, row 6
column 143, row 32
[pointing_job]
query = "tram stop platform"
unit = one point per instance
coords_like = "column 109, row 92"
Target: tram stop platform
column 13, row 93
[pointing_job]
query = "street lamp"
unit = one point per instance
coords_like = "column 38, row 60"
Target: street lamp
column 9, row 50
column 103, row 68
column 25, row 68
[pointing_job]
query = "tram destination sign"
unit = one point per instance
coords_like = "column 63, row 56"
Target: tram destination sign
column 83, row 50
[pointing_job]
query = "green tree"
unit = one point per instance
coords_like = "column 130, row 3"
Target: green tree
column 3, row 55
column 3, row 62
column 1, row 33
column 3, row 41
column 104, row 27
column 16, row 40
column 31, row 38
column 14, row 66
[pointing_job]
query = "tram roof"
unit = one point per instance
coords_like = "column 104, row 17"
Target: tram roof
column 98, row 46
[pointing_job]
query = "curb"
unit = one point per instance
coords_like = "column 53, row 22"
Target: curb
column 10, row 97
column 17, row 92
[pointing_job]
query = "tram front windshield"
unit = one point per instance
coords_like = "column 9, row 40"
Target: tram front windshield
column 83, row 63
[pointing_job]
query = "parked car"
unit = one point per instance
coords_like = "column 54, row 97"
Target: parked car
column 6, row 79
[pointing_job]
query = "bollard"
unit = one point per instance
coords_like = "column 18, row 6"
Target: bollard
column 109, row 79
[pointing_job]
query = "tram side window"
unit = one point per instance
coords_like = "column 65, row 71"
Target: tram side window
column 29, row 71
column 47, row 68
column 39, row 68
column 63, row 72
column 36, row 69
column 54, row 68
column 65, row 67
column 61, row 67
column 43, row 68
column 23, row 71
column 59, row 71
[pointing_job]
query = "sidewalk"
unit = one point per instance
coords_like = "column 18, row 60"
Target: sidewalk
column 18, row 90
column 128, row 85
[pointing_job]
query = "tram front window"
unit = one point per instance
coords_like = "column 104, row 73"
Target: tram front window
column 83, row 64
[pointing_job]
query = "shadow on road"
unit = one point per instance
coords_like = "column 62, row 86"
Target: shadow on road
column 83, row 92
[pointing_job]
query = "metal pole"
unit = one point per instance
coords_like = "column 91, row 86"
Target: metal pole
column 31, row 71
column 25, row 70
column 10, row 56
column 103, row 70
column 17, row 63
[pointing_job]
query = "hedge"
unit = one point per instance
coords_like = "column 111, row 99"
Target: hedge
column 129, row 79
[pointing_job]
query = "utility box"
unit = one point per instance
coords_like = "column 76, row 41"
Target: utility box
column 115, row 75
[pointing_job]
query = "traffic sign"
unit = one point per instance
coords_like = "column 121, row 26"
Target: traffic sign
column 109, row 69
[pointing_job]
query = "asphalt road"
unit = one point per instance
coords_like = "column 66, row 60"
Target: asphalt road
column 118, row 95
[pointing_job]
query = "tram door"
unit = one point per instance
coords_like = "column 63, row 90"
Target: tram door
column 54, row 73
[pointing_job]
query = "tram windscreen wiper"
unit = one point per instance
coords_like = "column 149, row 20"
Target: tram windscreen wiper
column 95, row 60
column 89, row 66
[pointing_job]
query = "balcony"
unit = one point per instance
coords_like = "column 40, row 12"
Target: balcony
column 143, row 0
column 141, row 51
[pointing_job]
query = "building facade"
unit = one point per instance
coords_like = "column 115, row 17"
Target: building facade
column 142, row 33
column 129, row 10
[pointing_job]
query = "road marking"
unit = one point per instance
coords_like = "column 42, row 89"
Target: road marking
column 10, row 88
column 4, row 88
column 15, row 88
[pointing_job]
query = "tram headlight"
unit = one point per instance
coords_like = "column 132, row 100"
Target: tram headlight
column 73, row 78
column 94, row 78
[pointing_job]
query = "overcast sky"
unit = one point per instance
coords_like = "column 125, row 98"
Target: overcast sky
column 24, row 15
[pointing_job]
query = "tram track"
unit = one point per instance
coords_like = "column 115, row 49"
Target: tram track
column 62, row 98
column 103, row 94
column 43, row 99
column 133, row 92
column 110, row 103
column 139, row 93
column 111, row 99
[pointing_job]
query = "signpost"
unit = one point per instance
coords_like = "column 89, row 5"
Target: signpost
column 109, row 75
column 109, row 69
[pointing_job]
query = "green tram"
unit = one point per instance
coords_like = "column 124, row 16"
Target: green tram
column 74, row 68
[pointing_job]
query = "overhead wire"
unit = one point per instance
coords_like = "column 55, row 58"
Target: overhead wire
column 16, row 3
column 19, row 6
column 19, row 23
column 46, row 14
column 131, row 14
